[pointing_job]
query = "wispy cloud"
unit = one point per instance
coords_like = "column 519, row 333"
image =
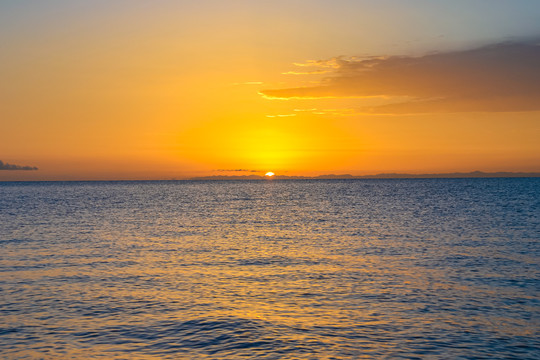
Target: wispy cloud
column 280, row 115
column 334, row 63
column 498, row 77
column 332, row 112
column 237, row 170
column 6, row 166
column 287, row 94
column 314, row 72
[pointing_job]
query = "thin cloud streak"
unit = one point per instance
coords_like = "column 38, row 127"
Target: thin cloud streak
column 333, row 112
column 495, row 78
column 280, row 115
column 6, row 166
column 237, row 170
column 314, row 72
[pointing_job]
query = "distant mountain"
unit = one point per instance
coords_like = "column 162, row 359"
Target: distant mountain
column 474, row 174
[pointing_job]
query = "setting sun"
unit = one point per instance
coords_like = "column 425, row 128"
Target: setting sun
column 269, row 174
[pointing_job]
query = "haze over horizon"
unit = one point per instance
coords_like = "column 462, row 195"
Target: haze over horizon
column 136, row 90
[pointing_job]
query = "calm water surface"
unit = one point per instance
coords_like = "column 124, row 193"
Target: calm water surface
column 338, row 269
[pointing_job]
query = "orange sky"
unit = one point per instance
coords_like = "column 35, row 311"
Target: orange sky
column 137, row 90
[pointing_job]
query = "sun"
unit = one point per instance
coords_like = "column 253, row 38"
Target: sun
column 269, row 174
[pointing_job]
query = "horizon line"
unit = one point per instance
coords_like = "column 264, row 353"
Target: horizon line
column 380, row 176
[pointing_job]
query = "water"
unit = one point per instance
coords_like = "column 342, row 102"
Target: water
column 337, row 269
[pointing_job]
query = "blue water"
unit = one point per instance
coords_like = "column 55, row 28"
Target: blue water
column 337, row 269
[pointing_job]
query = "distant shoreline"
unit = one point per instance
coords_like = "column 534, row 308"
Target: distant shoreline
column 456, row 175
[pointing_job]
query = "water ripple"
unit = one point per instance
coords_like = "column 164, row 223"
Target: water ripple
column 272, row 270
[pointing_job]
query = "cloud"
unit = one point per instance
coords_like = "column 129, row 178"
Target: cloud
column 237, row 170
column 332, row 112
column 335, row 62
column 280, row 115
column 314, row 72
column 6, row 166
column 498, row 77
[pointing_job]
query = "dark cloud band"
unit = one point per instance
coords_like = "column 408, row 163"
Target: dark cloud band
column 237, row 170
column 6, row 166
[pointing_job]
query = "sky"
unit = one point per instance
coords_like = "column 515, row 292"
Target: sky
column 106, row 90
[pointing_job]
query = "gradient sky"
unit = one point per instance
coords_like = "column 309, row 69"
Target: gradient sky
column 177, row 89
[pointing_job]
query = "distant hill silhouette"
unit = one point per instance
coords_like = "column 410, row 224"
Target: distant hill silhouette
column 474, row 174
